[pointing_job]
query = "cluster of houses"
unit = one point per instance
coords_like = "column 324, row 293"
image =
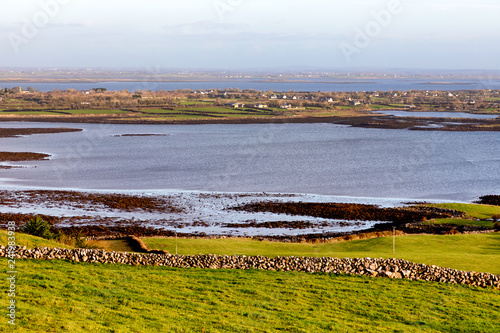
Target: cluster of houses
column 257, row 105
column 242, row 105
column 206, row 92
column 285, row 97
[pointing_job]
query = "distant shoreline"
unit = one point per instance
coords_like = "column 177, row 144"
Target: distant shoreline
column 366, row 121
column 150, row 80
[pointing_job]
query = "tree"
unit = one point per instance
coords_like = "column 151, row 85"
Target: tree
column 38, row 227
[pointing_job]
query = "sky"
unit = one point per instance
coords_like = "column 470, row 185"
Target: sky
column 251, row 34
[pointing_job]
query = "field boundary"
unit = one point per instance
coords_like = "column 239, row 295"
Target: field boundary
column 389, row 268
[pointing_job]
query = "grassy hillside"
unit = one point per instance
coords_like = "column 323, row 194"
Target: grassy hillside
column 59, row 296
column 29, row 241
column 473, row 210
column 476, row 252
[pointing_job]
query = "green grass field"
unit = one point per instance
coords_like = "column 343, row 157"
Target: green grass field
column 381, row 107
column 154, row 111
column 63, row 296
column 28, row 113
column 467, row 222
column 63, row 112
column 95, row 112
column 59, row 296
column 29, row 241
column 196, row 102
column 472, row 210
column 204, row 113
column 476, row 252
column 476, row 215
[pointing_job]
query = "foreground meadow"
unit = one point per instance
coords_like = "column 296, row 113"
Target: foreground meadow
column 61, row 296
column 474, row 252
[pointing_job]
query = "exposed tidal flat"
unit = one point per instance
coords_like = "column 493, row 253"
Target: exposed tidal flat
column 207, row 170
column 112, row 214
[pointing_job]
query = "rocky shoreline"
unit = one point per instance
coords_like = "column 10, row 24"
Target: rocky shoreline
column 20, row 157
column 389, row 268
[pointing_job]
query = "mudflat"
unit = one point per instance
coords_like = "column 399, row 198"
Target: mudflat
column 15, row 132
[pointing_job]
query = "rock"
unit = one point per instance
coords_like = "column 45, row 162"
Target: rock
column 392, row 268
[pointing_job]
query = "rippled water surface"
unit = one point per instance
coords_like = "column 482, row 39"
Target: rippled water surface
column 439, row 114
column 300, row 85
column 292, row 158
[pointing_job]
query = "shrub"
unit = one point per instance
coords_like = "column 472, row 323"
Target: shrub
column 62, row 238
column 490, row 200
column 38, row 227
column 81, row 242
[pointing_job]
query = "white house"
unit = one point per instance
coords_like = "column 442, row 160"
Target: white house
column 260, row 105
column 236, row 105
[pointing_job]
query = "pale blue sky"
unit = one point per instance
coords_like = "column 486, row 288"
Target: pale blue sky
column 251, row 34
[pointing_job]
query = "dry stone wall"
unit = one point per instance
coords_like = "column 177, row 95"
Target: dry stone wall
column 391, row 268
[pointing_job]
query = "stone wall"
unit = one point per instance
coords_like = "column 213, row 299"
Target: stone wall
column 391, row 268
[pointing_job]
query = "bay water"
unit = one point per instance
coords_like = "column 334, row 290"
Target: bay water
column 324, row 159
